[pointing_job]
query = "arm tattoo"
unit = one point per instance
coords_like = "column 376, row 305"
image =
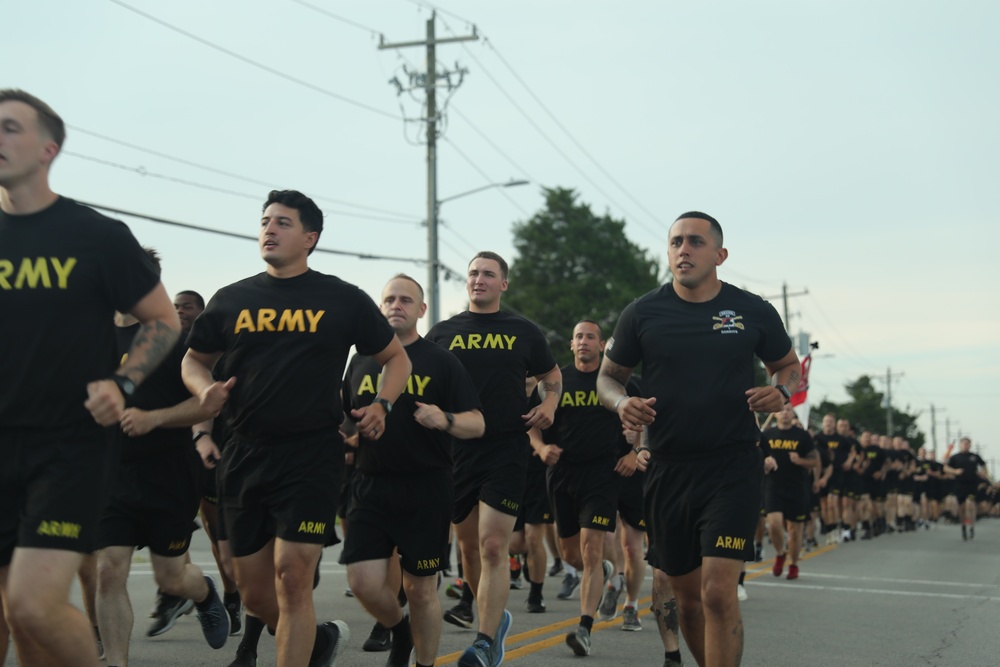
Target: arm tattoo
column 150, row 346
column 793, row 380
column 618, row 373
column 546, row 388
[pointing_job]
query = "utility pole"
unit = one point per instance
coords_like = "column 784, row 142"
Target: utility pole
column 889, row 377
column 784, row 298
column 934, row 429
column 428, row 82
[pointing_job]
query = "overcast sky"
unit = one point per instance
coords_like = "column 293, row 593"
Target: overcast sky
column 849, row 149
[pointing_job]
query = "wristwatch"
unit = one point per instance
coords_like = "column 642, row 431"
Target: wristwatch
column 126, row 386
column 199, row 435
column 451, row 420
column 784, row 392
column 384, row 403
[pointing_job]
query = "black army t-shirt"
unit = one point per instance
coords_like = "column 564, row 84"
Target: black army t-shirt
column 876, row 457
column 780, row 444
column 697, row 361
column 286, row 341
column 968, row 463
column 586, row 430
column 837, row 447
column 64, row 271
column 406, row 447
column 499, row 350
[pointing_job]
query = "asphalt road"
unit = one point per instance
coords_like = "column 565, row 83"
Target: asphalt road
column 923, row 598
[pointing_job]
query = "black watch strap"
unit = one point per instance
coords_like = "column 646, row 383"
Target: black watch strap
column 125, row 385
column 384, row 403
column 451, row 420
column 199, row 435
column 784, row 392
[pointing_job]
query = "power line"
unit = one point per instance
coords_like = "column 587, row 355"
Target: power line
column 246, row 237
column 553, row 144
column 142, row 171
column 485, row 137
column 484, row 174
column 337, row 17
column 261, row 66
column 562, row 127
column 230, row 174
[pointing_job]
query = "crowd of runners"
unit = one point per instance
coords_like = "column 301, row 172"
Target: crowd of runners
column 125, row 415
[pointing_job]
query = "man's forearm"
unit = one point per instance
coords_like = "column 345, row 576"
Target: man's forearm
column 469, row 424
column 611, row 381
column 151, row 345
column 185, row 413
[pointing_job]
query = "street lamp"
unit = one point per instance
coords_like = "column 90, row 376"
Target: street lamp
column 433, row 266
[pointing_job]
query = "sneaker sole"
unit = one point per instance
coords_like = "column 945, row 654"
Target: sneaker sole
column 470, row 659
column 505, row 622
column 342, row 639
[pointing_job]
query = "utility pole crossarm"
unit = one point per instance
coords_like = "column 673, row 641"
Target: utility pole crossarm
column 382, row 44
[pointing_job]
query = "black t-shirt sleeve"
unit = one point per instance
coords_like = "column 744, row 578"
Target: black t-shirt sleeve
column 774, row 342
column 130, row 273
column 624, row 347
column 373, row 331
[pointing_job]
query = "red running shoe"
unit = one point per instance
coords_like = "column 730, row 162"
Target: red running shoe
column 793, row 572
column 779, row 565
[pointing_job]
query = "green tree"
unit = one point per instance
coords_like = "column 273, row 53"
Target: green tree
column 572, row 264
column 866, row 410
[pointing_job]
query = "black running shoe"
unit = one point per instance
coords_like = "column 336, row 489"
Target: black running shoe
column 460, row 615
column 379, row 639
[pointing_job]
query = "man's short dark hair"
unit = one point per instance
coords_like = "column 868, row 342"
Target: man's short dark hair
column 403, row 276
column 585, row 320
column 489, row 254
column 309, row 213
column 48, row 119
column 199, row 301
column 716, row 227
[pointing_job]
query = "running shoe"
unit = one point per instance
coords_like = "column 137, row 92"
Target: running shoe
column 460, row 615
column 402, row 646
column 579, row 641
column 631, row 622
column 477, row 655
column 497, row 649
column 338, row 634
column 569, row 584
column 245, row 657
column 779, row 565
column 535, row 606
column 213, row 618
column 168, row 609
column 608, row 608
column 793, row 572
column 235, row 609
column 380, row 639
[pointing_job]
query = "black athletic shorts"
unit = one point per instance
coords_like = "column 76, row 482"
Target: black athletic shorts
column 154, row 502
column 209, row 484
column 835, row 485
column 584, row 496
column 501, row 488
column 966, row 490
column 344, row 503
column 871, row 487
column 53, row 486
column 412, row 514
column 535, row 509
column 794, row 504
column 630, row 499
column 287, row 490
column 852, row 485
column 707, row 507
